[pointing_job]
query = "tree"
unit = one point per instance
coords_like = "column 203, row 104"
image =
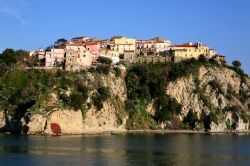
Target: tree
column 22, row 53
column 104, row 60
column 61, row 41
column 8, row 57
column 236, row 63
column 3, row 68
column 202, row 58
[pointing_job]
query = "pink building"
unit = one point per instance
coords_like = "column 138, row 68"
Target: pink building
column 93, row 48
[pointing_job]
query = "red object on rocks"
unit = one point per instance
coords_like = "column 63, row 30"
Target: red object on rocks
column 56, row 129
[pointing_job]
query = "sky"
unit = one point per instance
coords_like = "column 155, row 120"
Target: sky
column 221, row 24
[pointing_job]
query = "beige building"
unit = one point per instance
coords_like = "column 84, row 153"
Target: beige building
column 121, row 44
column 189, row 50
column 162, row 46
column 78, row 57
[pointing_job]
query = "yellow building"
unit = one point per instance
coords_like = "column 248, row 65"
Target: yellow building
column 122, row 44
column 189, row 50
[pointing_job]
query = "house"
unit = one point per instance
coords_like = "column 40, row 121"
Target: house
column 129, row 56
column 55, row 57
column 41, row 54
column 161, row 45
column 153, row 46
column 212, row 53
column 32, row 53
column 145, row 46
column 121, row 44
column 80, row 39
column 188, row 51
column 78, row 57
column 93, row 48
column 113, row 55
column 219, row 59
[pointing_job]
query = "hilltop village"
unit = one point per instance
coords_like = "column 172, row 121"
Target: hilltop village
column 83, row 52
column 87, row 85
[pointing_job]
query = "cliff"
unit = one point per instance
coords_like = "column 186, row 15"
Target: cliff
column 215, row 92
column 189, row 95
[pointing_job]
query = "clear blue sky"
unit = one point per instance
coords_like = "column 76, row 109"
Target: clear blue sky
column 221, row 24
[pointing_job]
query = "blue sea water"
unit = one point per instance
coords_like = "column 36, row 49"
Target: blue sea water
column 125, row 149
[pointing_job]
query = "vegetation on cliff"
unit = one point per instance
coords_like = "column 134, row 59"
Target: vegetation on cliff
column 43, row 91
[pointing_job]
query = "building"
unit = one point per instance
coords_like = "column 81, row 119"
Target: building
column 113, row 55
column 153, row 46
column 78, row 57
column 219, row 59
column 188, row 51
column 162, row 46
column 80, row 39
column 33, row 53
column 41, row 54
column 55, row 57
column 121, row 44
column 212, row 53
column 129, row 56
column 93, row 48
column 145, row 46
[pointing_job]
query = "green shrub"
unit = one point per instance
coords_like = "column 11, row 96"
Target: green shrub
column 3, row 68
column 191, row 119
column 84, row 91
column 129, row 106
column 76, row 100
column 166, row 106
column 98, row 103
column 216, row 86
column 92, row 70
column 101, row 95
column 103, row 69
column 104, row 60
column 117, row 71
column 104, row 93
column 65, row 98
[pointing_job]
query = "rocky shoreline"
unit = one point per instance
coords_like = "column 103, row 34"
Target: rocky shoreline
column 119, row 132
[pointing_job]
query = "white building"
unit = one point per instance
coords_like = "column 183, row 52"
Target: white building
column 55, row 57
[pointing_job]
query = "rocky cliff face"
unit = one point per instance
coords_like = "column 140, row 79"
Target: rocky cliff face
column 218, row 96
column 214, row 91
column 110, row 118
column 2, row 120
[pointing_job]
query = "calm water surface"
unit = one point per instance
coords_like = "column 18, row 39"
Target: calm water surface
column 129, row 149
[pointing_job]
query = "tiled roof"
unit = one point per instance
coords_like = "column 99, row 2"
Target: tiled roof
column 75, row 44
column 186, row 45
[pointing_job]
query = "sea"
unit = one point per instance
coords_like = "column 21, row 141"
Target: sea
column 126, row 149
